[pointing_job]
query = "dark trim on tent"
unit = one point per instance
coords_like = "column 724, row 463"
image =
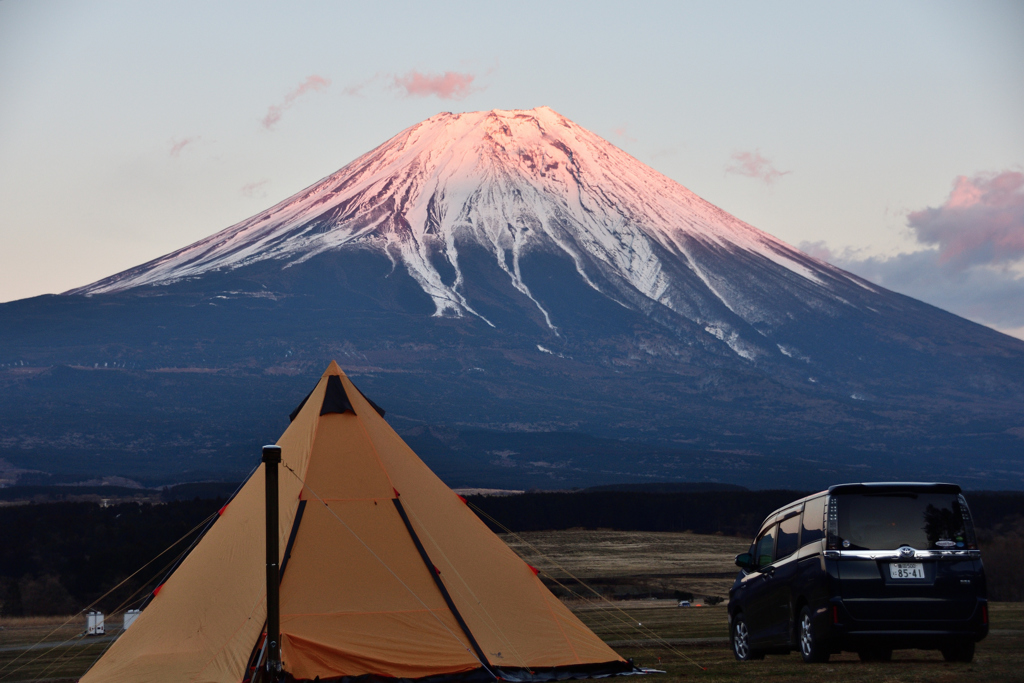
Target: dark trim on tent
column 344, row 402
column 292, row 535
column 432, row 568
column 380, row 411
column 513, row 674
column 335, row 398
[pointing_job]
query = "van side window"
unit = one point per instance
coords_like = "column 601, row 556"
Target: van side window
column 789, row 530
column 814, row 513
column 766, row 547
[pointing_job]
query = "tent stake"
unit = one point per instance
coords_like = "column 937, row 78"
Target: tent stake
column 271, row 459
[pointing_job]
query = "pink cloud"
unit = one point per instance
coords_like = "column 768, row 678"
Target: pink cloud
column 621, row 132
column 178, row 145
column 275, row 111
column 255, row 189
column 973, row 257
column 981, row 223
column 447, row 86
column 753, row 165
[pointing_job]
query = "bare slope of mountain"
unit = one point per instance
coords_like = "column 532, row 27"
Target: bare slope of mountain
column 500, row 280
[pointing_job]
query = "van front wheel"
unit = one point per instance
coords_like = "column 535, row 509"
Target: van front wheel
column 812, row 646
column 741, row 640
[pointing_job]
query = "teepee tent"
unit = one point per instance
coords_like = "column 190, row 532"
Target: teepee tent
column 385, row 572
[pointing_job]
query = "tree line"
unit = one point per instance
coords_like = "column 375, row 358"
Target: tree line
column 58, row 558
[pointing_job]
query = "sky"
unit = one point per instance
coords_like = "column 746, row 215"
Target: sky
column 886, row 138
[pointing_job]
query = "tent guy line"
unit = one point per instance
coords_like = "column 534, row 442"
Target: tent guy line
column 627, row 621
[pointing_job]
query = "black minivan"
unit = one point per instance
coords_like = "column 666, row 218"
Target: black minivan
column 862, row 567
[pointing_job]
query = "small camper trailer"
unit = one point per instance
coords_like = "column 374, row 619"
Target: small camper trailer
column 94, row 624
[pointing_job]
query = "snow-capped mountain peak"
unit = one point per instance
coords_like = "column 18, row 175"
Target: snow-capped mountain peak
column 514, row 182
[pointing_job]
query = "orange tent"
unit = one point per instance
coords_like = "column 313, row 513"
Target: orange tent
column 385, row 572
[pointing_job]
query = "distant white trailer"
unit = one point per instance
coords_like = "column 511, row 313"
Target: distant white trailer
column 129, row 617
column 94, row 624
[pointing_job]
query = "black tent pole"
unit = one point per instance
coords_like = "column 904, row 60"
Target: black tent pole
column 271, row 459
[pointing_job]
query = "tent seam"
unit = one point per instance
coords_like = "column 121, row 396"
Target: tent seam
column 494, row 624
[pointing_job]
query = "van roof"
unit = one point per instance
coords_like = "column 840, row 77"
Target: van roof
column 894, row 486
column 872, row 487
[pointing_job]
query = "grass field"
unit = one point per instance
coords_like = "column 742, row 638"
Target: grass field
column 688, row 643
column 633, row 563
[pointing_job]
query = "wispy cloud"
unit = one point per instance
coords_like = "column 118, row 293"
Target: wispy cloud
column 178, row 145
column 356, row 89
column 447, row 86
column 620, row 132
column 972, row 256
column 276, row 111
column 450, row 85
column 256, row 189
column 753, row 165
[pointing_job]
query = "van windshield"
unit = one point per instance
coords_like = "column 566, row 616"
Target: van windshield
column 886, row 521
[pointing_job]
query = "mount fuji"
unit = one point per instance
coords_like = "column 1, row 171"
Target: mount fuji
column 535, row 307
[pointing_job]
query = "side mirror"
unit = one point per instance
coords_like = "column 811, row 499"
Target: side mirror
column 744, row 561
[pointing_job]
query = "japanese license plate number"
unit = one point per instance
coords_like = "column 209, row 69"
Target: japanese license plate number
column 906, row 570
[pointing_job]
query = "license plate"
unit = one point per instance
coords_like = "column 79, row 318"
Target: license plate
column 906, row 570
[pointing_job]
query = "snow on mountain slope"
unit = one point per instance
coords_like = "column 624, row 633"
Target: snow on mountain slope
column 513, row 182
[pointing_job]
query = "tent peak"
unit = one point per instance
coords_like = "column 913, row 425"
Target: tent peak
column 333, row 369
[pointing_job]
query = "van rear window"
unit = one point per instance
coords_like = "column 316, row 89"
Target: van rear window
column 886, row 521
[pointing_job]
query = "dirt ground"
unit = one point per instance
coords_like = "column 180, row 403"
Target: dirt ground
column 686, row 643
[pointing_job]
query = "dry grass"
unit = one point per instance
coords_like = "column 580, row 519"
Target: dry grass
column 688, row 643
column 646, row 561
column 697, row 638
column 46, row 648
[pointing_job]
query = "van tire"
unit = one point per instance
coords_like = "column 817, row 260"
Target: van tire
column 961, row 652
column 740, row 637
column 812, row 646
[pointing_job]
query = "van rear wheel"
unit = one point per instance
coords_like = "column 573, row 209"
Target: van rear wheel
column 961, row 652
column 741, row 640
column 812, row 646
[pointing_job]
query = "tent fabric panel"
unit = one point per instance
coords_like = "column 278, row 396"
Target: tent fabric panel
column 508, row 609
column 343, row 464
column 206, row 618
column 202, row 624
column 514, row 617
column 330, row 571
column 400, row 645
